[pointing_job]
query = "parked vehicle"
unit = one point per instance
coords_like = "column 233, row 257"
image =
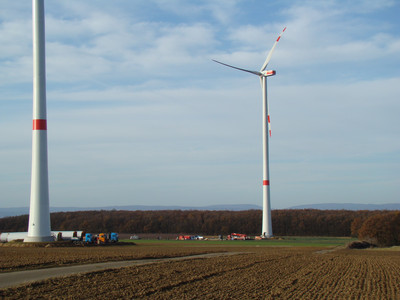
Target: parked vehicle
column 102, row 238
column 89, row 238
column 184, row 237
column 237, row 236
column 113, row 237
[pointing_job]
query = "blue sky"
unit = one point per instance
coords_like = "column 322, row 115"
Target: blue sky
column 138, row 114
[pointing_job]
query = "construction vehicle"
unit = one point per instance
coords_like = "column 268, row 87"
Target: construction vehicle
column 89, row 238
column 237, row 236
column 113, row 237
column 102, row 238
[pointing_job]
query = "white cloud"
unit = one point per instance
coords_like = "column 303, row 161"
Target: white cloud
column 222, row 11
column 15, row 38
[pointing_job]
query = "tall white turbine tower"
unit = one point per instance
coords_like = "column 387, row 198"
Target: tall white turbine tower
column 263, row 74
column 39, row 214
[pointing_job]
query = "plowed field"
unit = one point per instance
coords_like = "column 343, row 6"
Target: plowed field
column 259, row 273
column 17, row 259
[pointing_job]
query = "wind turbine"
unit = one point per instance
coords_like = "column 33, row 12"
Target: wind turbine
column 263, row 74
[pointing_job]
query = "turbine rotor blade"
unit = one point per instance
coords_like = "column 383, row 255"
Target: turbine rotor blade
column 269, row 122
column 248, row 71
column 268, row 117
column 271, row 51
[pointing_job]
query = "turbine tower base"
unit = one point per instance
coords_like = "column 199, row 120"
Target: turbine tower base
column 266, row 236
column 38, row 239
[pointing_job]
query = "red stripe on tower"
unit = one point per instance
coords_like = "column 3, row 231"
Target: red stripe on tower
column 39, row 124
column 265, row 182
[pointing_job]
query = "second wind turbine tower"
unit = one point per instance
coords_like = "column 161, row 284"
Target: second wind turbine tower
column 263, row 74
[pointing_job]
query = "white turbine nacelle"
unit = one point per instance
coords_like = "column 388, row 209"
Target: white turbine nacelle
column 268, row 73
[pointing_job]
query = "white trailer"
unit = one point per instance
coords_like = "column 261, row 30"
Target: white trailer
column 11, row 236
column 66, row 235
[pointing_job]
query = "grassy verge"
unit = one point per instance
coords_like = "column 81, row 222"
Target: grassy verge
column 282, row 242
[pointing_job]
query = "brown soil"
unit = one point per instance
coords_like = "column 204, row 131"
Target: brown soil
column 35, row 257
column 261, row 273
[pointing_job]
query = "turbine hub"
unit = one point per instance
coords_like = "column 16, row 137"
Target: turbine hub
column 268, row 73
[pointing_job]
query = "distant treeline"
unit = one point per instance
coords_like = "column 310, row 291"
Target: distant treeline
column 308, row 222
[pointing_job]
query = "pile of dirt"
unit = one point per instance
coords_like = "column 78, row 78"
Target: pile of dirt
column 360, row 245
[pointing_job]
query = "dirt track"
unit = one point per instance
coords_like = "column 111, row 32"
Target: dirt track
column 12, row 279
column 261, row 273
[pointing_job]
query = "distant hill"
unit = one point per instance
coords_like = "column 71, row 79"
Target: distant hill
column 349, row 206
column 18, row 211
column 13, row 211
